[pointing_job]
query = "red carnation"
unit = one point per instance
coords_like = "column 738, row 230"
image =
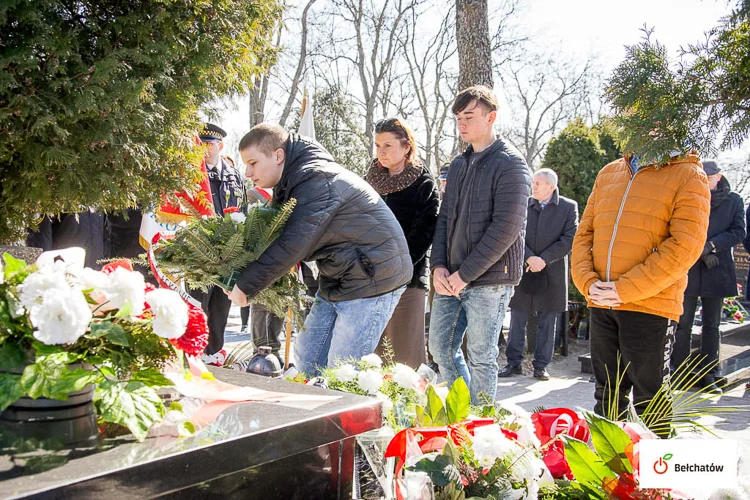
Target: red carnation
column 195, row 338
column 231, row 210
column 124, row 263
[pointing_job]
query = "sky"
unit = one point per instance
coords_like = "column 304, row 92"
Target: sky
column 581, row 28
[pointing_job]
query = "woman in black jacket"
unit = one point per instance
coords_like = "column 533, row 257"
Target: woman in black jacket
column 409, row 190
column 713, row 277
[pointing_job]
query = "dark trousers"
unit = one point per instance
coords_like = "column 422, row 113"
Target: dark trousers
column 245, row 315
column 633, row 348
column 266, row 328
column 710, row 335
column 545, row 338
column 216, row 305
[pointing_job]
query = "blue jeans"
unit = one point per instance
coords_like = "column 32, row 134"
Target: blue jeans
column 477, row 313
column 545, row 338
column 346, row 329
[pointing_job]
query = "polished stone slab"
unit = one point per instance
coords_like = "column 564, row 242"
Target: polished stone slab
column 734, row 355
column 249, row 448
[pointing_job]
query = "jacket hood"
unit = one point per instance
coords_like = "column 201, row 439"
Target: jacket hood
column 299, row 152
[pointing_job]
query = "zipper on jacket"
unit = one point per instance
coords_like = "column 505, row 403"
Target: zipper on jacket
column 617, row 221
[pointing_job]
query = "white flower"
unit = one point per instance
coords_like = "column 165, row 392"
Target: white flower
column 346, row 373
column 373, row 360
column 529, row 466
column 405, row 376
column 33, row 287
column 125, row 286
column 90, row 279
column 170, row 313
column 387, row 403
column 490, row 443
column 62, row 317
column 237, row 217
column 527, row 436
column 370, row 380
column 521, row 416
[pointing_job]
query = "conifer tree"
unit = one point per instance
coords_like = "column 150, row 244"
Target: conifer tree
column 661, row 106
column 99, row 98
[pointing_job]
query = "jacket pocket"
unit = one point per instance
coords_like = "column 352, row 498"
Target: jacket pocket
column 365, row 264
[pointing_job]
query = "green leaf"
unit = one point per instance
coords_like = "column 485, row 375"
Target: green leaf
column 186, row 429
column 41, row 378
column 111, row 331
column 440, row 469
column 11, row 356
column 667, row 456
column 10, row 389
column 54, row 380
column 125, row 310
column 152, row 378
column 435, row 410
column 12, row 266
column 610, row 442
column 458, row 401
column 587, row 466
column 133, row 405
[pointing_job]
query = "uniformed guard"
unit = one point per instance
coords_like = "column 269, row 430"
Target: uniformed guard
column 227, row 190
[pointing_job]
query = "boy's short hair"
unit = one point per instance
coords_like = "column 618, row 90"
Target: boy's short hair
column 268, row 137
column 483, row 95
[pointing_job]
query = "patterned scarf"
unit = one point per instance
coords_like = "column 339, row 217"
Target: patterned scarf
column 384, row 183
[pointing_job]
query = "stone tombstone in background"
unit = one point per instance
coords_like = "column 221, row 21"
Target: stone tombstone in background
column 28, row 254
column 741, row 265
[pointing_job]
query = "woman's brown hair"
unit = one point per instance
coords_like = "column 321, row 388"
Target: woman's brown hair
column 403, row 133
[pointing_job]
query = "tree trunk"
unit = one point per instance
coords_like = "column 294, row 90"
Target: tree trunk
column 473, row 41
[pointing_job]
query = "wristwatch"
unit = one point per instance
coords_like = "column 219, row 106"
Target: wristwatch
column 713, row 247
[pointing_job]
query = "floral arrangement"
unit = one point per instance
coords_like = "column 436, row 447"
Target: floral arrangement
column 211, row 251
column 64, row 327
column 400, row 388
column 441, row 447
column 733, row 310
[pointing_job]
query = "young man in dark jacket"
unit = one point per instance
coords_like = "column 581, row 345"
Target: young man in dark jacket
column 341, row 223
column 713, row 277
column 477, row 252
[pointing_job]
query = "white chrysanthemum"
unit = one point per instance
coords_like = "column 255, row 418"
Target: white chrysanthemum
column 170, row 313
column 37, row 283
column 387, row 403
column 521, row 415
column 370, row 380
column 405, row 376
column 373, row 360
column 237, row 217
column 529, row 466
column 62, row 317
column 123, row 286
column 346, row 373
column 89, row 279
column 490, row 443
column 527, row 436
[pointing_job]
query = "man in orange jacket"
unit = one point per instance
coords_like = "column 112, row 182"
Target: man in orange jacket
column 642, row 229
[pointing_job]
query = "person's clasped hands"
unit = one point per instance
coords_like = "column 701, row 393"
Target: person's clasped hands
column 447, row 283
column 604, row 294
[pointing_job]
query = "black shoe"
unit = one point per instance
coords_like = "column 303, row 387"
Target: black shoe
column 541, row 374
column 709, row 386
column 509, row 371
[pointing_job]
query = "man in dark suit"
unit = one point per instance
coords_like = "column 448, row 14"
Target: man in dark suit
column 551, row 225
column 227, row 190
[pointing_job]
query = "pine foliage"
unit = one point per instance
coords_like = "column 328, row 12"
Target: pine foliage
column 661, row 105
column 99, row 99
column 209, row 251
